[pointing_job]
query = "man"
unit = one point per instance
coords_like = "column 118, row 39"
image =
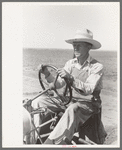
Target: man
column 85, row 75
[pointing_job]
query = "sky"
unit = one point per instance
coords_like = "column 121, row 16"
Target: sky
column 48, row 25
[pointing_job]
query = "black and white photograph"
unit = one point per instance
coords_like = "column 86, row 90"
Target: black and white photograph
column 60, row 74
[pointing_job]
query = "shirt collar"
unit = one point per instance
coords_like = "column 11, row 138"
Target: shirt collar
column 88, row 60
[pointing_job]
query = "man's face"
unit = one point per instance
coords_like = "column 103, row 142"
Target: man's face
column 81, row 48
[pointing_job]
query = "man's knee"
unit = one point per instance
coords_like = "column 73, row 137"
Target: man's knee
column 39, row 102
column 73, row 107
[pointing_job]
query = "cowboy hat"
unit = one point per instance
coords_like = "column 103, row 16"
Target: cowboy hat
column 84, row 35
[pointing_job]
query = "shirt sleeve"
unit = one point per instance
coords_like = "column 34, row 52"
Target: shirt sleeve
column 91, row 82
column 68, row 66
column 59, row 83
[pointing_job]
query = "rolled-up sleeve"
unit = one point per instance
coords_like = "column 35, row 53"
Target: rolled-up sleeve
column 68, row 66
column 59, row 83
column 91, row 82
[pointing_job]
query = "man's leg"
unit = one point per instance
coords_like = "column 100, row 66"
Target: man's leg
column 50, row 104
column 76, row 113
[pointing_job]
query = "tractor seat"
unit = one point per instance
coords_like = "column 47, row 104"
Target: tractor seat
column 93, row 129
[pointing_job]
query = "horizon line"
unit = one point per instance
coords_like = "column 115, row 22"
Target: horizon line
column 65, row 49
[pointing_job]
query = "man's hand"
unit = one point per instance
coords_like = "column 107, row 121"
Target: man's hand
column 43, row 70
column 51, row 86
column 63, row 73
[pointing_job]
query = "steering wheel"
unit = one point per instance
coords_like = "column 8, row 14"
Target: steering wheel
column 63, row 97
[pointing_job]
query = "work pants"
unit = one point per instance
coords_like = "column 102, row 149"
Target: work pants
column 76, row 114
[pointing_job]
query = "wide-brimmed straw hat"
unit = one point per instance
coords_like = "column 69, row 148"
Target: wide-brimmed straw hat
column 84, row 35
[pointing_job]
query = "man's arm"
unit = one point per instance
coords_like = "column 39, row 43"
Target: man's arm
column 50, row 78
column 59, row 83
column 91, row 83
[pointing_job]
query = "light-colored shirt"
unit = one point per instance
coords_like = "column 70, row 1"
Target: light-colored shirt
column 91, row 73
column 87, row 77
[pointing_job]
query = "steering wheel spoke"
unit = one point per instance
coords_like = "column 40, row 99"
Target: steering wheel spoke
column 62, row 95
